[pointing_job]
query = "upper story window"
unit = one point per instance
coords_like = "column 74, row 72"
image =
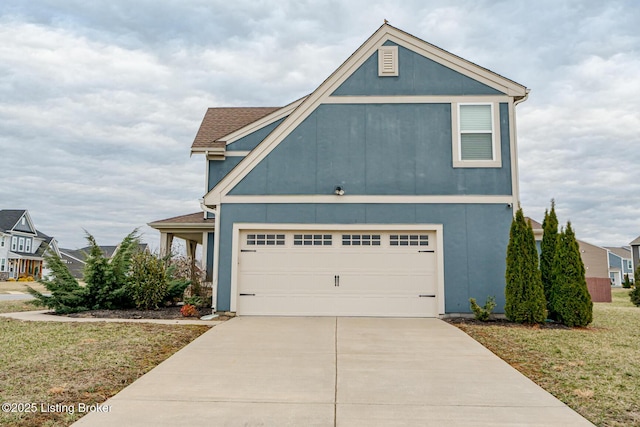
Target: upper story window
column 21, row 244
column 14, row 243
column 476, row 136
column 27, row 245
column 2, row 242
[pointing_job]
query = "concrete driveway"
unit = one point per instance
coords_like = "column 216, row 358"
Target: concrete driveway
column 285, row 371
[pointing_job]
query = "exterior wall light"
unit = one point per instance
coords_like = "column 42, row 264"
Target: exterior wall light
column 339, row 191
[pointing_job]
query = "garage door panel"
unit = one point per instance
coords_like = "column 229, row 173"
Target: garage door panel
column 329, row 273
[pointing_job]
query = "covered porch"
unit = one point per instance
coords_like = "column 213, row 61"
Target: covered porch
column 24, row 266
column 195, row 230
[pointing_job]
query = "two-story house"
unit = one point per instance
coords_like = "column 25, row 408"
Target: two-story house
column 387, row 191
column 22, row 246
column 620, row 264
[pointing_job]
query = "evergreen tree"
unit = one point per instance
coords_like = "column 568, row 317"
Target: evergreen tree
column 524, row 293
column 570, row 299
column 547, row 251
column 635, row 292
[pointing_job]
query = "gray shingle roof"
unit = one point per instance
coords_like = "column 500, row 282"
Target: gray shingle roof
column 9, row 218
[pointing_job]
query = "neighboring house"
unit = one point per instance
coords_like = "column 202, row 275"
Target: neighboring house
column 388, row 191
column 596, row 265
column 76, row 259
column 620, row 264
column 635, row 253
column 22, row 246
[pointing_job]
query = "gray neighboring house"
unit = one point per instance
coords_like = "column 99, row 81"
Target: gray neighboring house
column 75, row 259
column 620, row 264
column 22, row 246
column 387, row 191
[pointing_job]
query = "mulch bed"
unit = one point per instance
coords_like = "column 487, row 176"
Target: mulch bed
column 160, row 313
column 504, row 322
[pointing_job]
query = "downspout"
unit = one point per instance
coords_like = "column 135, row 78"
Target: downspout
column 516, row 201
column 214, row 276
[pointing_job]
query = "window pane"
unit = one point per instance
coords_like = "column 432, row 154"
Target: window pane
column 475, row 117
column 476, row 146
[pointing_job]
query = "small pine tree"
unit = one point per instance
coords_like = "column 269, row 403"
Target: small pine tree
column 570, row 299
column 635, row 292
column 524, row 293
column 67, row 296
column 626, row 283
column 547, row 251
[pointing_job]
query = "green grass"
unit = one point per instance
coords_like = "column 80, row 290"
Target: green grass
column 6, row 287
column 594, row 370
column 71, row 363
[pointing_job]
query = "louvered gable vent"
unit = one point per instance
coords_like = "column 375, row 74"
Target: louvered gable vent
column 388, row 61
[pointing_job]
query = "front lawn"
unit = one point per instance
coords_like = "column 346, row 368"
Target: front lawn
column 8, row 287
column 71, row 363
column 14, row 306
column 594, row 370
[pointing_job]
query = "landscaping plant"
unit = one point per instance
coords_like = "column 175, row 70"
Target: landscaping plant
column 635, row 292
column 148, row 280
column 626, row 283
column 189, row 310
column 570, row 299
column 524, row 294
column 547, row 251
column 483, row 313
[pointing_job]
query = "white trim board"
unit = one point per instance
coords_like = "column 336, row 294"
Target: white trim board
column 437, row 228
column 323, row 92
column 321, row 198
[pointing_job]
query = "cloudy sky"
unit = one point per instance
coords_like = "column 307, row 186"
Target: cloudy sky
column 100, row 101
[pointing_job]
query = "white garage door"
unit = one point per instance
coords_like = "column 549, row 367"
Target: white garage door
column 337, row 273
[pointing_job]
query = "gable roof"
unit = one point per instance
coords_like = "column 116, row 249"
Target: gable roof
column 636, row 241
column 9, row 218
column 385, row 33
column 221, row 121
column 620, row 251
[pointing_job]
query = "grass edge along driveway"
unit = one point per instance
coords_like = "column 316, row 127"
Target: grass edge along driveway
column 594, row 370
column 50, row 363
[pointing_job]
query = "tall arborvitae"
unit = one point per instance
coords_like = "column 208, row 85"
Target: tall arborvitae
column 570, row 299
column 524, row 294
column 547, row 251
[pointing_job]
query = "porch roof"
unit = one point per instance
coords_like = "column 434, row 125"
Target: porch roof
column 187, row 227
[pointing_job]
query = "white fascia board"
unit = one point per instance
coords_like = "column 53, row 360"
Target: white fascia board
column 259, row 124
column 322, row 93
column 417, row 99
column 371, row 199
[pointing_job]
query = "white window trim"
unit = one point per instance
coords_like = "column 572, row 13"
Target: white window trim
column 456, row 138
column 14, row 243
column 21, row 244
column 3, row 264
column 27, row 245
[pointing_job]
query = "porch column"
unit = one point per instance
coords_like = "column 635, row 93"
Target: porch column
column 166, row 240
column 192, row 245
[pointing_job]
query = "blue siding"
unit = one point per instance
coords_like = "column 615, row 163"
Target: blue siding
column 475, row 240
column 250, row 141
column 376, row 149
column 218, row 169
column 417, row 75
column 615, row 261
column 209, row 255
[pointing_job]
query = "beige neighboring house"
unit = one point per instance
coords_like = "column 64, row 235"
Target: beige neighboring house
column 596, row 265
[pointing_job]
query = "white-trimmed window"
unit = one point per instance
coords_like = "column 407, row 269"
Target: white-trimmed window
column 312, row 240
column 27, row 246
column 14, row 243
column 265, row 239
column 476, row 135
column 2, row 242
column 21, row 244
column 3, row 264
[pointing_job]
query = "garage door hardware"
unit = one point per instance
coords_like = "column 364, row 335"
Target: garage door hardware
column 247, row 295
column 427, row 251
column 426, row 296
column 336, row 280
column 248, row 250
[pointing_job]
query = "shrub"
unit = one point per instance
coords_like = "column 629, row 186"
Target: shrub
column 11, row 279
column 570, row 297
column 149, row 280
column 189, row 310
column 483, row 313
column 635, row 293
column 525, row 302
column 547, row 251
column 626, row 283
column 67, row 296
